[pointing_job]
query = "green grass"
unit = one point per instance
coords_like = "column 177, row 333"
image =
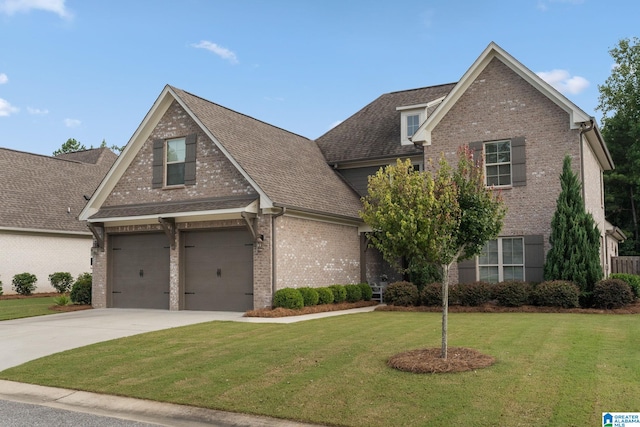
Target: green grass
column 551, row 370
column 26, row 307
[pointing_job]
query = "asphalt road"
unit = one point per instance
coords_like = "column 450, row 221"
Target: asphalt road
column 17, row 414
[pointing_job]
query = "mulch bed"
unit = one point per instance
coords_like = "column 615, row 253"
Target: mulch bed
column 428, row 360
column 285, row 312
column 495, row 308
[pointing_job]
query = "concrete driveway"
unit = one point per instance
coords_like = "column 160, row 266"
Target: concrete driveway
column 22, row 340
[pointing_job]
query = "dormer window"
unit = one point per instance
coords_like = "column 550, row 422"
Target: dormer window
column 411, row 118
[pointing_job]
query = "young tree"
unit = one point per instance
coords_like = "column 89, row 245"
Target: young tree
column 438, row 218
column 70, row 146
column 619, row 102
column 575, row 238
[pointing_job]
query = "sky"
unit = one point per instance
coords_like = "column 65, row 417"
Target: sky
column 92, row 69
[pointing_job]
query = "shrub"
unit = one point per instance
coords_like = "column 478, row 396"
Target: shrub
column 309, row 296
column 475, row 293
column 325, row 296
column 24, row 283
column 556, row 293
column 62, row 300
column 612, row 293
column 81, row 289
column 354, row 294
column 339, row 293
column 402, row 293
column 288, row 298
column 365, row 289
column 632, row 280
column 512, row 293
column 0, row 287
column 431, row 294
column 61, row 281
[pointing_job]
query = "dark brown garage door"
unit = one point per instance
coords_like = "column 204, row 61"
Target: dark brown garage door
column 218, row 270
column 140, row 271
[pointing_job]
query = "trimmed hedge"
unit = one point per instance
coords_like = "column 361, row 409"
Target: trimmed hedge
column 512, row 293
column 24, row 283
column 632, row 280
column 402, row 293
column 339, row 293
column 612, row 293
column 367, row 292
column 81, row 289
column 474, row 294
column 61, row 281
column 288, row 298
column 431, row 294
column 354, row 293
column 325, row 295
column 310, row 296
column 556, row 293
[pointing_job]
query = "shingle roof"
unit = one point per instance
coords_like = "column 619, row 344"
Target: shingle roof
column 288, row 168
column 374, row 131
column 92, row 156
column 46, row 193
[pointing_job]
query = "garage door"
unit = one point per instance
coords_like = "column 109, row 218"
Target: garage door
column 218, row 270
column 140, row 271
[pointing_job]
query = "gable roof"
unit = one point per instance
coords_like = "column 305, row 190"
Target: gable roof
column 46, row 194
column 578, row 119
column 374, row 131
column 284, row 168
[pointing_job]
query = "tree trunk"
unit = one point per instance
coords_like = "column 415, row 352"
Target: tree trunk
column 634, row 218
column 445, row 308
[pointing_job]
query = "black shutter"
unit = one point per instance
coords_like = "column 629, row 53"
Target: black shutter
column 158, row 164
column 476, row 147
column 190, row 160
column 518, row 162
column 534, row 258
column 467, row 271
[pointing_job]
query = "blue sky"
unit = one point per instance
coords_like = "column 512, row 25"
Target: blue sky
column 90, row 70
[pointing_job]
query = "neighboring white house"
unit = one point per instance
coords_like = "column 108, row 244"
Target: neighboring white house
column 41, row 198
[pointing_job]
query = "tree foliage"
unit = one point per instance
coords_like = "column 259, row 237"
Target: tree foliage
column 71, row 146
column 432, row 217
column 619, row 102
column 575, row 239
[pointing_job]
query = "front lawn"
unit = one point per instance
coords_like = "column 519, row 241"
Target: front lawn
column 551, row 369
column 25, row 307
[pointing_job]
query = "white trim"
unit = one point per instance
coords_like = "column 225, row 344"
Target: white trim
column 500, row 263
column 405, row 139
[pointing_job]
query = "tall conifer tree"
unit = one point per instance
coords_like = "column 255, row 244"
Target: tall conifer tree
column 575, row 238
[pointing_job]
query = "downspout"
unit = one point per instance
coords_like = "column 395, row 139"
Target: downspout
column 273, row 249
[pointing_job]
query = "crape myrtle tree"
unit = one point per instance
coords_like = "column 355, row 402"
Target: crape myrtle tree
column 438, row 217
column 619, row 103
column 575, row 238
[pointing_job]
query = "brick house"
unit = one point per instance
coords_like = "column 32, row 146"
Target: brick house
column 209, row 209
column 41, row 199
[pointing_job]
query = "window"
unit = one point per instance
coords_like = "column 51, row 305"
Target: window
column 413, row 123
column 497, row 161
column 175, row 161
column 502, row 259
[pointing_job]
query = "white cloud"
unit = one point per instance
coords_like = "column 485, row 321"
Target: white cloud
column 9, row 7
column 334, row 124
column 3, row 78
column 37, row 111
column 543, row 5
column 222, row 52
column 72, row 123
column 564, row 82
column 6, row 109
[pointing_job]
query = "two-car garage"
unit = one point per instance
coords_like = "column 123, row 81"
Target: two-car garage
column 215, row 270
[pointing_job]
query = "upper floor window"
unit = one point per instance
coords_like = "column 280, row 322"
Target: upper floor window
column 413, row 123
column 175, row 161
column 409, row 124
column 497, row 162
column 502, row 259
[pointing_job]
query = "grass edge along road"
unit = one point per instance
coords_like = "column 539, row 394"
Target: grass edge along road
column 551, row 370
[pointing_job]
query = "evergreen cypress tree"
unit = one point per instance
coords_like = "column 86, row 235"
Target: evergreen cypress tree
column 575, row 238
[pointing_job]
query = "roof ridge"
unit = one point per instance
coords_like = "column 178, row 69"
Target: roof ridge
column 39, row 155
column 242, row 114
column 421, row 88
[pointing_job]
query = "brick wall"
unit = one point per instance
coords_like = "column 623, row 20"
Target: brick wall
column 315, row 253
column 501, row 105
column 216, row 176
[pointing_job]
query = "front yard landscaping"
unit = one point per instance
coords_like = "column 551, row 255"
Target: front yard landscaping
column 19, row 306
column 552, row 369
